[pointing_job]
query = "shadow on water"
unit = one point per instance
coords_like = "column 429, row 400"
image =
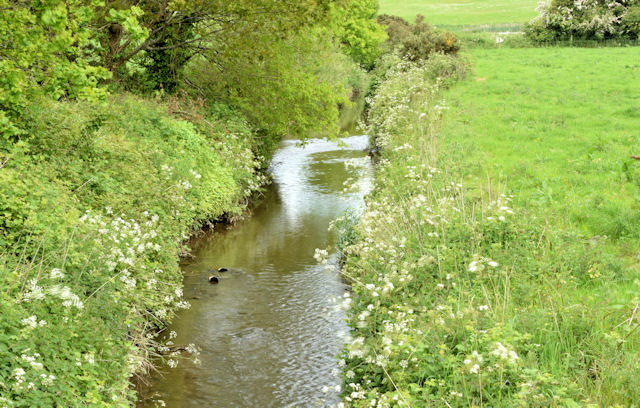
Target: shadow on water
column 268, row 333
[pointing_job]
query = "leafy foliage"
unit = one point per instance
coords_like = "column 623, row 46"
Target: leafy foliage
column 98, row 190
column 355, row 26
column 93, row 210
column 282, row 98
column 42, row 52
column 65, row 49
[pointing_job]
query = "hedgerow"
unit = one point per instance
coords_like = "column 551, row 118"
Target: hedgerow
column 585, row 20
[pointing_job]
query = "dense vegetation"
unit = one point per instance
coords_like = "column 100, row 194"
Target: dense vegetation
column 124, row 126
column 69, row 49
column 586, row 20
column 496, row 262
column 93, row 212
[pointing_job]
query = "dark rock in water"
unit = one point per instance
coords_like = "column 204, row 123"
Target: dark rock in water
column 222, row 270
column 213, row 280
column 195, row 297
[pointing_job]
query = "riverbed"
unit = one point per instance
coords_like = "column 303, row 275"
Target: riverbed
column 268, row 332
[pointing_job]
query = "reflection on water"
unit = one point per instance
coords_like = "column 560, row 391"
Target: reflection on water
column 267, row 331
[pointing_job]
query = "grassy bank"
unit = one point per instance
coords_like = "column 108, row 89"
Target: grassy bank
column 96, row 199
column 495, row 264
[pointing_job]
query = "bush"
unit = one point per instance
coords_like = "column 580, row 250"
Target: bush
column 446, row 68
column 419, row 40
column 631, row 21
column 585, row 20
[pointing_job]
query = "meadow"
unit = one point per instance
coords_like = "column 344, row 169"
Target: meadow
column 558, row 125
column 497, row 261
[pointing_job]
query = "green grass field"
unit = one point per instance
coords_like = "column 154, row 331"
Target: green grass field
column 460, row 13
column 559, row 125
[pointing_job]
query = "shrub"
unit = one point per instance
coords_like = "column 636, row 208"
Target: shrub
column 445, row 68
column 419, row 40
column 631, row 21
column 585, row 20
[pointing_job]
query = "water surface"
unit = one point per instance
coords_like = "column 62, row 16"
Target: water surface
column 268, row 332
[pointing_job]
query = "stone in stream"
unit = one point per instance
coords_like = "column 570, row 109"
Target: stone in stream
column 219, row 270
column 213, row 280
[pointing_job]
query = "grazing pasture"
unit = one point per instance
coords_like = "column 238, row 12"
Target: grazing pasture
column 559, row 125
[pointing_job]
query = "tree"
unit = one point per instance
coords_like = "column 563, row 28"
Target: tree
column 274, row 81
column 131, row 28
column 354, row 24
column 43, row 52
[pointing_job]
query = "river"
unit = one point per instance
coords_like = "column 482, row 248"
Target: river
column 268, row 331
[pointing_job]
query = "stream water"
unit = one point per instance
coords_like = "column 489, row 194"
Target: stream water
column 268, row 332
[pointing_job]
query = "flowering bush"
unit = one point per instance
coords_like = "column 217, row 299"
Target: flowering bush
column 585, row 19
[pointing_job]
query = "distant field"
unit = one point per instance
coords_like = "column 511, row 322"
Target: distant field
column 459, row 13
column 560, row 124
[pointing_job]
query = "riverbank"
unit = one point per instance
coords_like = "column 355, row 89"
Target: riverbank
column 472, row 288
column 95, row 203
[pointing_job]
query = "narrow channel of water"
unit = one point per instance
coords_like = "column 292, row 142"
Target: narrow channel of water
column 268, row 332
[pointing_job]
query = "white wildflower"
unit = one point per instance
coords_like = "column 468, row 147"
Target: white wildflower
column 56, row 274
